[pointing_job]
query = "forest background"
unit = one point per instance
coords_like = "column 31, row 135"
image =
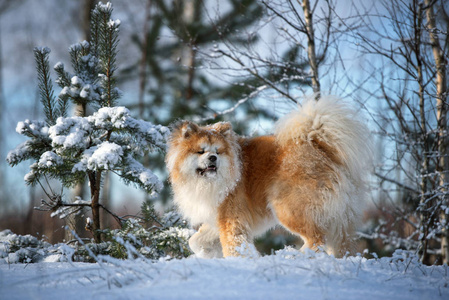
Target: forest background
column 250, row 62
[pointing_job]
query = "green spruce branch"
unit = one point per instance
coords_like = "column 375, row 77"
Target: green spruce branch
column 45, row 84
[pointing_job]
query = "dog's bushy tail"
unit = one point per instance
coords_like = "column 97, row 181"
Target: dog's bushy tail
column 336, row 124
column 334, row 128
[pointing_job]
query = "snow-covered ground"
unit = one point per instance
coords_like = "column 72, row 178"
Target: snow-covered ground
column 286, row 275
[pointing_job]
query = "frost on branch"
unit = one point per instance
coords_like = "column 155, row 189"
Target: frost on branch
column 110, row 139
column 31, row 149
column 50, row 159
column 141, row 176
column 70, row 134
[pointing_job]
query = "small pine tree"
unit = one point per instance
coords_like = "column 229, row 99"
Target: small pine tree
column 73, row 149
column 152, row 236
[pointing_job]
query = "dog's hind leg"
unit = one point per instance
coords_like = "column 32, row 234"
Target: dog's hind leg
column 296, row 217
column 206, row 242
column 309, row 232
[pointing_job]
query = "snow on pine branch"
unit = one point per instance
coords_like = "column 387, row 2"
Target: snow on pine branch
column 104, row 8
column 71, row 133
column 134, row 171
column 81, row 89
column 50, row 159
column 31, row 129
column 106, row 156
column 40, row 141
column 110, row 139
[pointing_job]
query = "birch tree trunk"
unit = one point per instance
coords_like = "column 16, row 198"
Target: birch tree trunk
column 311, row 52
column 441, row 105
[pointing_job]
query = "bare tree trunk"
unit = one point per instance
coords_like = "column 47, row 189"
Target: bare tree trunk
column 311, row 52
column 106, row 199
column 188, row 52
column 89, row 5
column 191, row 73
column 95, row 185
column 143, row 60
column 441, row 88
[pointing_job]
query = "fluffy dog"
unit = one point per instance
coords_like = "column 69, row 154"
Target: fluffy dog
column 308, row 177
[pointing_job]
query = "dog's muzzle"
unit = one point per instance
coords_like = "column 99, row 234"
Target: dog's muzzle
column 208, row 169
column 211, row 167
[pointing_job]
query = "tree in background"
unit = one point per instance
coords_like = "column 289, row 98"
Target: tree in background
column 183, row 70
column 4, row 191
column 75, row 149
column 286, row 68
column 412, row 94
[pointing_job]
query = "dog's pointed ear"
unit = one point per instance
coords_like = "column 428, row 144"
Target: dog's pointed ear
column 187, row 128
column 225, row 128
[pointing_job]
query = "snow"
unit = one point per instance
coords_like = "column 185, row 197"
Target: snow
column 76, row 81
column 43, row 50
column 104, row 7
column 135, row 169
column 82, row 88
column 16, row 155
column 70, row 132
column 106, row 156
column 29, row 177
column 49, row 159
column 79, row 46
column 286, row 275
column 58, row 65
column 110, row 117
column 148, row 178
column 64, row 211
column 36, row 128
column 113, row 24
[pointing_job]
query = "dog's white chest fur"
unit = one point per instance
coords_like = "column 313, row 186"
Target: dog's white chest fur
column 199, row 198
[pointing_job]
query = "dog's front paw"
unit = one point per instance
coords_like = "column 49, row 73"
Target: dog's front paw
column 247, row 250
column 206, row 243
column 209, row 253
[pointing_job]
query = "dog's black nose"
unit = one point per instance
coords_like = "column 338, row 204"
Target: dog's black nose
column 212, row 158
